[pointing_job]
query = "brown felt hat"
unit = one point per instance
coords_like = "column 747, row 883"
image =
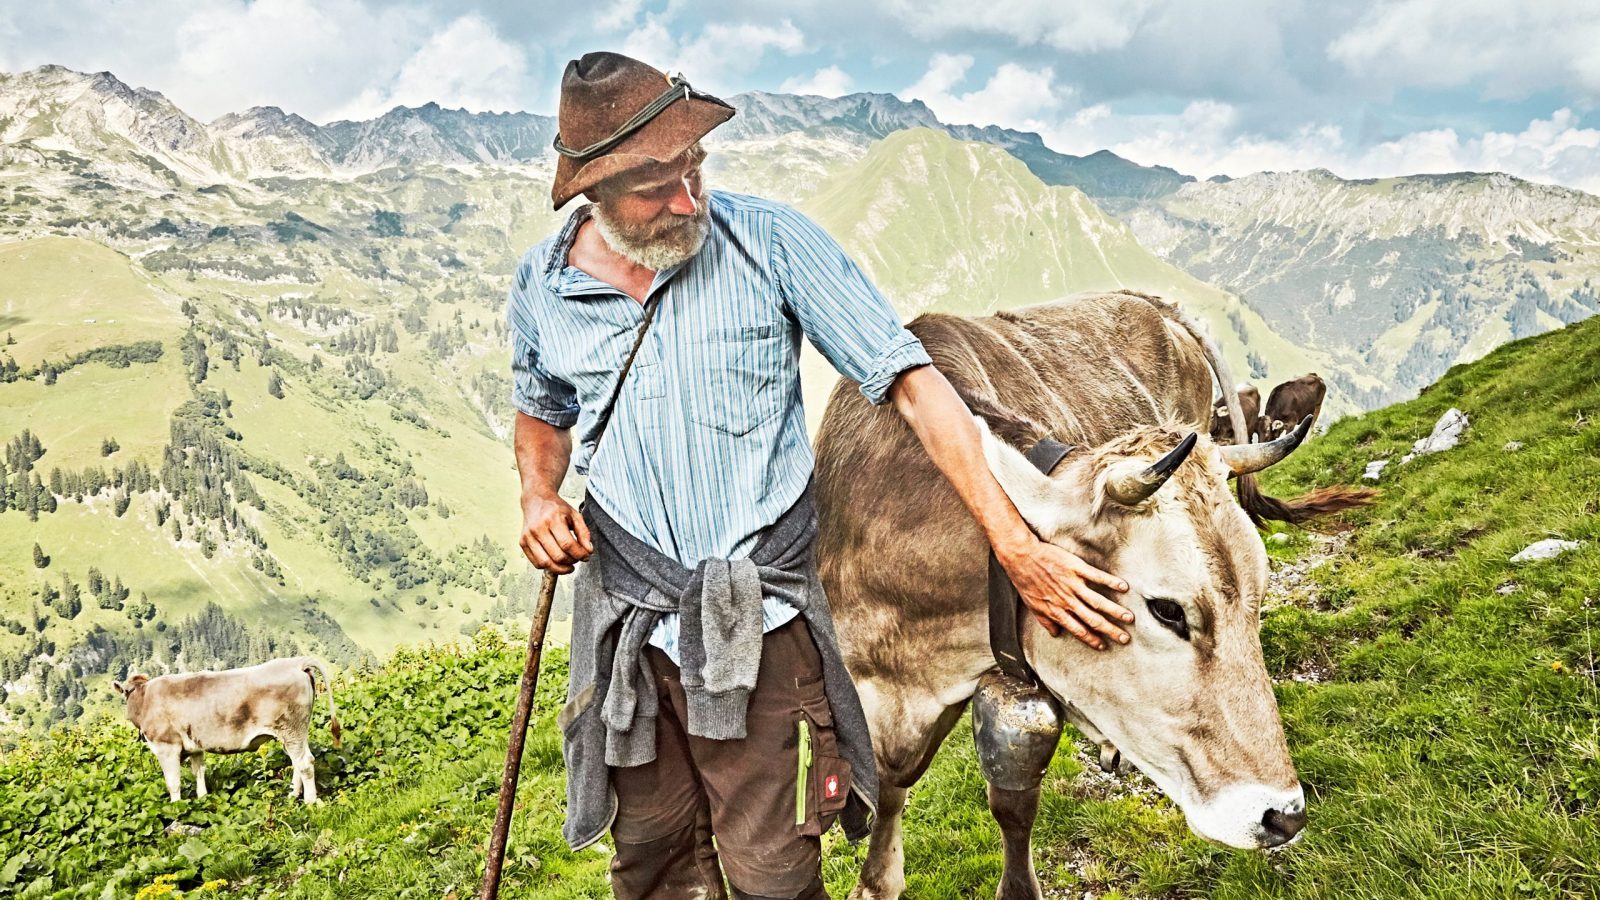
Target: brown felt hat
column 618, row 113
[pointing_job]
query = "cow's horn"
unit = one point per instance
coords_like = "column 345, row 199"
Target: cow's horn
column 1131, row 487
column 1243, row 459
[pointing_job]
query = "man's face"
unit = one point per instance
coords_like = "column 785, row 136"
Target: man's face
column 656, row 218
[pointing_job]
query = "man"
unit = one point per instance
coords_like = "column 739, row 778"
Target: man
column 706, row 694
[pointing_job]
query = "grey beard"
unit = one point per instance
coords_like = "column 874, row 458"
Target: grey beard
column 658, row 251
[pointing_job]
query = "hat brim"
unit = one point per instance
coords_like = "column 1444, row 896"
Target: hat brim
column 660, row 140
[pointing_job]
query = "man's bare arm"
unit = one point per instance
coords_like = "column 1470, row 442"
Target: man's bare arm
column 554, row 535
column 1054, row 583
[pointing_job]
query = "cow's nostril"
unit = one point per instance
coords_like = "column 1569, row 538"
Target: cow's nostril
column 1281, row 826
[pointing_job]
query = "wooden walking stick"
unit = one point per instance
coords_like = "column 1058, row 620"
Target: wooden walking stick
column 519, row 736
column 530, row 666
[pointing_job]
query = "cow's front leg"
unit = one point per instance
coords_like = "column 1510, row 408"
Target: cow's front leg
column 907, row 727
column 197, row 765
column 1015, row 812
column 883, row 874
column 170, row 758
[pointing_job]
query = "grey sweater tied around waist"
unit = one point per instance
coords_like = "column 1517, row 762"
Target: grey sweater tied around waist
column 620, row 593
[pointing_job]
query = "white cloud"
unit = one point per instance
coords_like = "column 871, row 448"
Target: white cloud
column 1014, row 96
column 1071, row 25
column 1512, row 48
column 318, row 58
column 464, row 65
column 619, row 14
column 1207, row 139
column 829, row 82
column 713, row 59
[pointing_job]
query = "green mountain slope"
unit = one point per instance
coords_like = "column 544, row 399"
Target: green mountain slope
column 1439, row 700
column 286, row 403
column 965, row 228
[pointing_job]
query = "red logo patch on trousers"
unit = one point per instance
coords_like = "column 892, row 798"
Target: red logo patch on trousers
column 830, row 787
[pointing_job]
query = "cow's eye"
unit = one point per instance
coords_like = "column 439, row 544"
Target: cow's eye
column 1170, row 614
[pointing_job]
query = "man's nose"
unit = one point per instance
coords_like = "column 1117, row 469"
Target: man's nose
column 683, row 202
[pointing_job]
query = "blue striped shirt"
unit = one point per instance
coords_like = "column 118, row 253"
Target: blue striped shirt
column 707, row 444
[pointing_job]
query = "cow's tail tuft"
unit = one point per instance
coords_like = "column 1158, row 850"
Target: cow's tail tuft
column 1302, row 509
column 312, row 662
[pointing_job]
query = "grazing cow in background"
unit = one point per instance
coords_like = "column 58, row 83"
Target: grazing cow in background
column 185, row 716
column 1222, row 422
column 1127, row 380
column 1290, row 402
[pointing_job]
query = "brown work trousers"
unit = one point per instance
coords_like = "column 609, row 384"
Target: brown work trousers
column 742, row 792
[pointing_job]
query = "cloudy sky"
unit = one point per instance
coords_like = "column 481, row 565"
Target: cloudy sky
column 1362, row 88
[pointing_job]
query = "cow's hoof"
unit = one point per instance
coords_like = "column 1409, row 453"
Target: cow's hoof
column 1112, row 761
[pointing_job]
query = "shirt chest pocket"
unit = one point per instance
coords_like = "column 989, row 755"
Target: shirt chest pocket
column 739, row 385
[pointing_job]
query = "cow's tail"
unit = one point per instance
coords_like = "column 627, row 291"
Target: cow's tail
column 1257, row 505
column 310, row 663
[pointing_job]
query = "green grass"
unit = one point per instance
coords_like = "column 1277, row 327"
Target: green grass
column 407, row 801
column 54, row 286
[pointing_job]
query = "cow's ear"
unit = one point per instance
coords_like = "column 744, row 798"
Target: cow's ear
column 118, row 687
column 1039, row 499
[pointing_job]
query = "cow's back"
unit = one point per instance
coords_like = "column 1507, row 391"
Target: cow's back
column 897, row 549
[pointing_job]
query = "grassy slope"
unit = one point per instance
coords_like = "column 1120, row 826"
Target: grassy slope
column 81, row 280
column 1446, row 733
column 50, row 287
column 965, row 228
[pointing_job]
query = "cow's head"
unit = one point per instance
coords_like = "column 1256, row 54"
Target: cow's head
column 1187, row 699
column 133, row 684
column 132, row 691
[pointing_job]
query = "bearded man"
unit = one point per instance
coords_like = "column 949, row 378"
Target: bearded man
column 707, row 696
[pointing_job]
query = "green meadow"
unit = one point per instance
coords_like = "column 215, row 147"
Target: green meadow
column 1440, row 701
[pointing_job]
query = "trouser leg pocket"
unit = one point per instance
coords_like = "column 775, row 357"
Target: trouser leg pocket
column 822, row 778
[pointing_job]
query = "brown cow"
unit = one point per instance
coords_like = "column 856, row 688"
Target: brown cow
column 1222, row 422
column 185, row 716
column 1290, row 402
column 1123, row 378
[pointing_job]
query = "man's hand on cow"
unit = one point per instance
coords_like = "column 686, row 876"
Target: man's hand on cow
column 554, row 536
column 1057, row 586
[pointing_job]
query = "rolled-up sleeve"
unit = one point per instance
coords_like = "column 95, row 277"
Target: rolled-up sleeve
column 533, row 390
column 841, row 312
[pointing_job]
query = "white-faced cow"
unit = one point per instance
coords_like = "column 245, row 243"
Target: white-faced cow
column 1291, row 402
column 1222, row 421
column 1124, row 378
column 186, row 716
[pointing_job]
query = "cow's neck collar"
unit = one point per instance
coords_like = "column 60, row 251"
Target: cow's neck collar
column 1047, row 453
